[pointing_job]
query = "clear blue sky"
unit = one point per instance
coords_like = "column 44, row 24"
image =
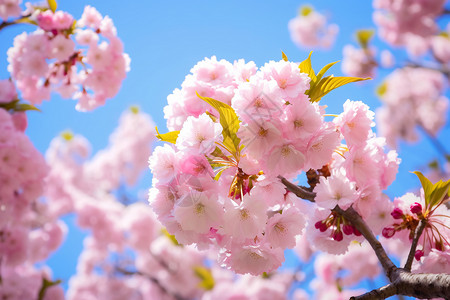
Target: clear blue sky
column 166, row 38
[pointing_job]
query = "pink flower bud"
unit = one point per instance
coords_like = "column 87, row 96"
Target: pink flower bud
column 337, row 236
column 416, row 208
column 397, row 213
column 356, row 232
column 347, row 229
column 418, row 254
column 388, row 232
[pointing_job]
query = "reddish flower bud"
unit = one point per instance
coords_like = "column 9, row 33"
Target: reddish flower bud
column 337, row 236
column 347, row 229
column 356, row 232
column 416, row 208
column 418, row 254
column 397, row 213
column 321, row 226
column 388, row 232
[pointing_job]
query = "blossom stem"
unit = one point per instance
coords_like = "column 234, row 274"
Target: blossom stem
column 415, row 240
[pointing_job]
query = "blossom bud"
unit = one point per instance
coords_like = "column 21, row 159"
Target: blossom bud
column 397, row 213
column 416, row 208
column 356, row 232
column 337, row 236
column 388, row 232
column 321, row 226
column 418, row 254
column 347, row 229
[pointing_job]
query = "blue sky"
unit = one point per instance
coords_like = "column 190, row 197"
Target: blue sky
column 166, row 38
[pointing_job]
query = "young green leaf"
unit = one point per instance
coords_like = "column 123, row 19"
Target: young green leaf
column 45, row 285
column 170, row 137
column 324, row 70
column 205, row 275
column 364, row 36
column 427, row 188
column 328, row 84
column 52, row 5
column 229, row 121
column 306, row 67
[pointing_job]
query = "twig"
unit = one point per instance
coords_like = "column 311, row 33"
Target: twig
column 415, row 240
column 351, row 215
column 298, row 190
column 16, row 21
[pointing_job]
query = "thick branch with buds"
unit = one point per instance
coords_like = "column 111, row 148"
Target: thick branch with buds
column 403, row 282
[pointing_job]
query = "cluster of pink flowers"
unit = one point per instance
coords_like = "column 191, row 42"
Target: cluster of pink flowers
column 310, row 29
column 359, row 62
column 28, row 233
column 10, row 9
column 412, row 97
column 48, row 59
column 335, row 274
column 237, row 203
column 406, row 213
column 409, row 23
column 360, row 171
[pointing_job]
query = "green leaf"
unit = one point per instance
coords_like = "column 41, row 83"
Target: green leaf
column 306, row 67
column 170, row 137
column 324, row 70
column 440, row 190
column 229, row 121
column 381, row 89
column 426, row 185
column 434, row 193
column 306, row 10
column 284, row 56
column 205, row 275
column 328, row 84
column 45, row 285
column 52, row 5
column 364, row 36
column 26, row 107
column 171, row 237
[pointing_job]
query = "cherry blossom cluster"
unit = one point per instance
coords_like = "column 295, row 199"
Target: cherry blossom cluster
column 359, row 172
column 28, row 232
column 49, row 59
column 411, row 24
column 406, row 214
column 237, row 203
column 309, row 29
column 120, row 163
column 335, row 274
column 412, row 97
column 10, row 9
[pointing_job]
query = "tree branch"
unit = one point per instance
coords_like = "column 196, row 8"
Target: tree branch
column 351, row 215
column 381, row 293
column 299, row 191
column 415, row 240
column 403, row 282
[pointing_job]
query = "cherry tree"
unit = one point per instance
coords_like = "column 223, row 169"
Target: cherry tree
column 252, row 165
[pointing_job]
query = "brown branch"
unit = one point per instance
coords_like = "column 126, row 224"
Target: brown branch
column 415, row 240
column 16, row 21
column 299, row 191
column 403, row 282
column 381, row 293
column 422, row 286
column 351, row 215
